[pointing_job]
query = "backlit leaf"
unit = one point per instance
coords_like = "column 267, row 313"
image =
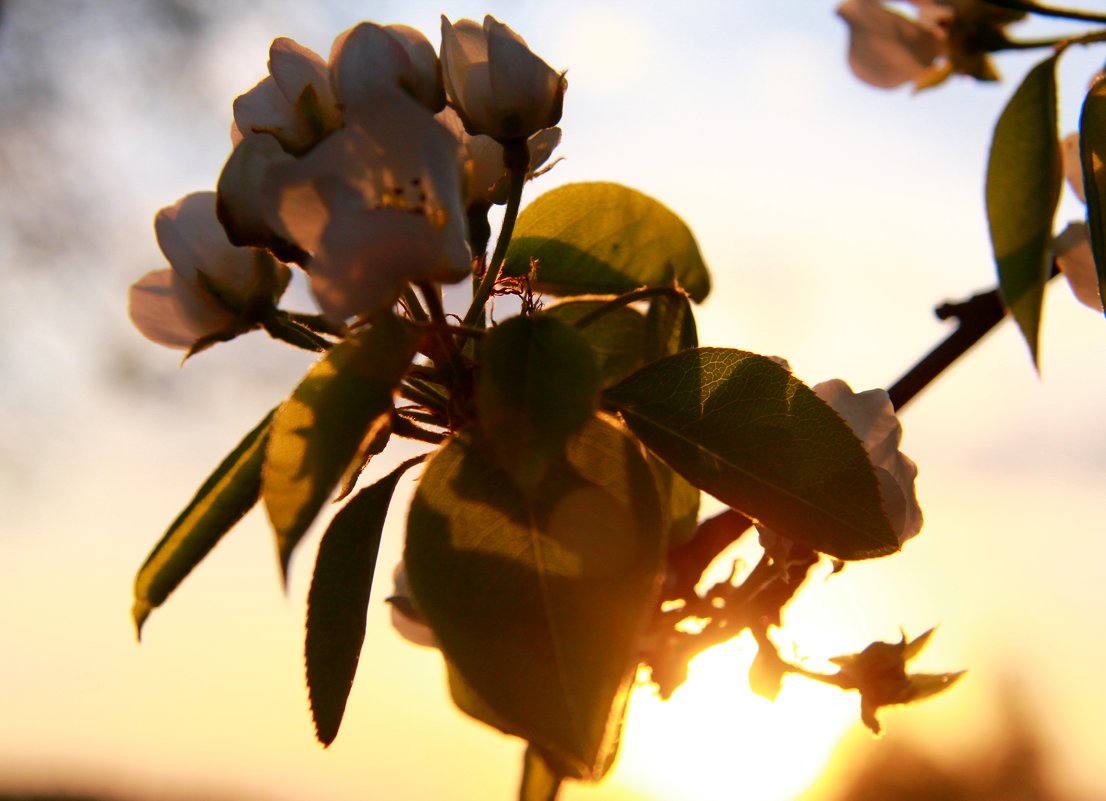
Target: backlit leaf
column 317, row 432
column 1092, row 147
column 1023, row 187
column 538, row 600
column 538, row 384
column 599, row 238
column 339, row 600
column 616, row 337
column 739, row 426
column 224, row 498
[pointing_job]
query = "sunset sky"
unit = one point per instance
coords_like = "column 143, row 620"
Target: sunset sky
column 833, row 216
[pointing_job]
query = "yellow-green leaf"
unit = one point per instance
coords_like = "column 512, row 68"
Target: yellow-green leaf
column 1092, row 149
column 739, row 426
column 224, row 498
column 1023, row 187
column 617, row 337
column 538, row 600
column 601, row 238
column 317, row 432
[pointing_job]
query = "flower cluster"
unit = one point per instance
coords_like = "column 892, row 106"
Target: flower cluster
column 364, row 169
column 888, row 49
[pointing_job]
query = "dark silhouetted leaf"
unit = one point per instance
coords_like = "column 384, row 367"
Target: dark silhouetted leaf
column 339, row 599
column 739, row 426
column 538, row 384
column 224, row 498
column 1092, row 147
column 317, row 432
column 538, row 600
column 616, row 337
column 600, row 238
column 1023, row 187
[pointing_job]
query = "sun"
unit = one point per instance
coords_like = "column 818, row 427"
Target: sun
column 714, row 740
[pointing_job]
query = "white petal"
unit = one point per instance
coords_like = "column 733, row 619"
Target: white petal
column 1076, row 260
column 410, row 628
column 294, row 67
column 1073, row 165
column 885, row 48
column 163, row 308
column 872, row 418
column 240, row 198
column 522, row 85
column 463, row 44
column 193, row 239
column 364, row 262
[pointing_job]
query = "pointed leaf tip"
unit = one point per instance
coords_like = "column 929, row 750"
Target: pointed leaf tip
column 339, row 599
column 741, row 427
column 225, row 497
column 1024, row 175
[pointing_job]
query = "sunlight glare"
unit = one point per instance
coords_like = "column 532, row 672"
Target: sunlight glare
column 714, row 740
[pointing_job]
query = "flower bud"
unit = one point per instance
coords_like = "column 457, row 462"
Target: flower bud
column 393, row 54
column 496, row 84
column 211, row 288
column 295, row 103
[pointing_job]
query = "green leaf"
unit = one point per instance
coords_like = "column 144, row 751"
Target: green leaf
column 1023, row 187
column 224, row 498
column 616, row 337
column 318, row 432
column 540, row 782
column 1092, row 147
column 739, row 426
column 339, row 600
column 538, row 384
column 680, row 499
column 669, row 327
column 538, row 600
column 602, row 238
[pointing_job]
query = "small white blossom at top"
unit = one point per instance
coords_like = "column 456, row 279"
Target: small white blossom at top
column 496, row 83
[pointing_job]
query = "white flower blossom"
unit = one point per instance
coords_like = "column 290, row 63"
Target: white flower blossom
column 210, row 283
column 376, row 205
column 496, row 83
column 393, row 54
column 295, row 103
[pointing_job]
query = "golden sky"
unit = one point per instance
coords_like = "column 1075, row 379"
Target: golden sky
column 834, row 218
